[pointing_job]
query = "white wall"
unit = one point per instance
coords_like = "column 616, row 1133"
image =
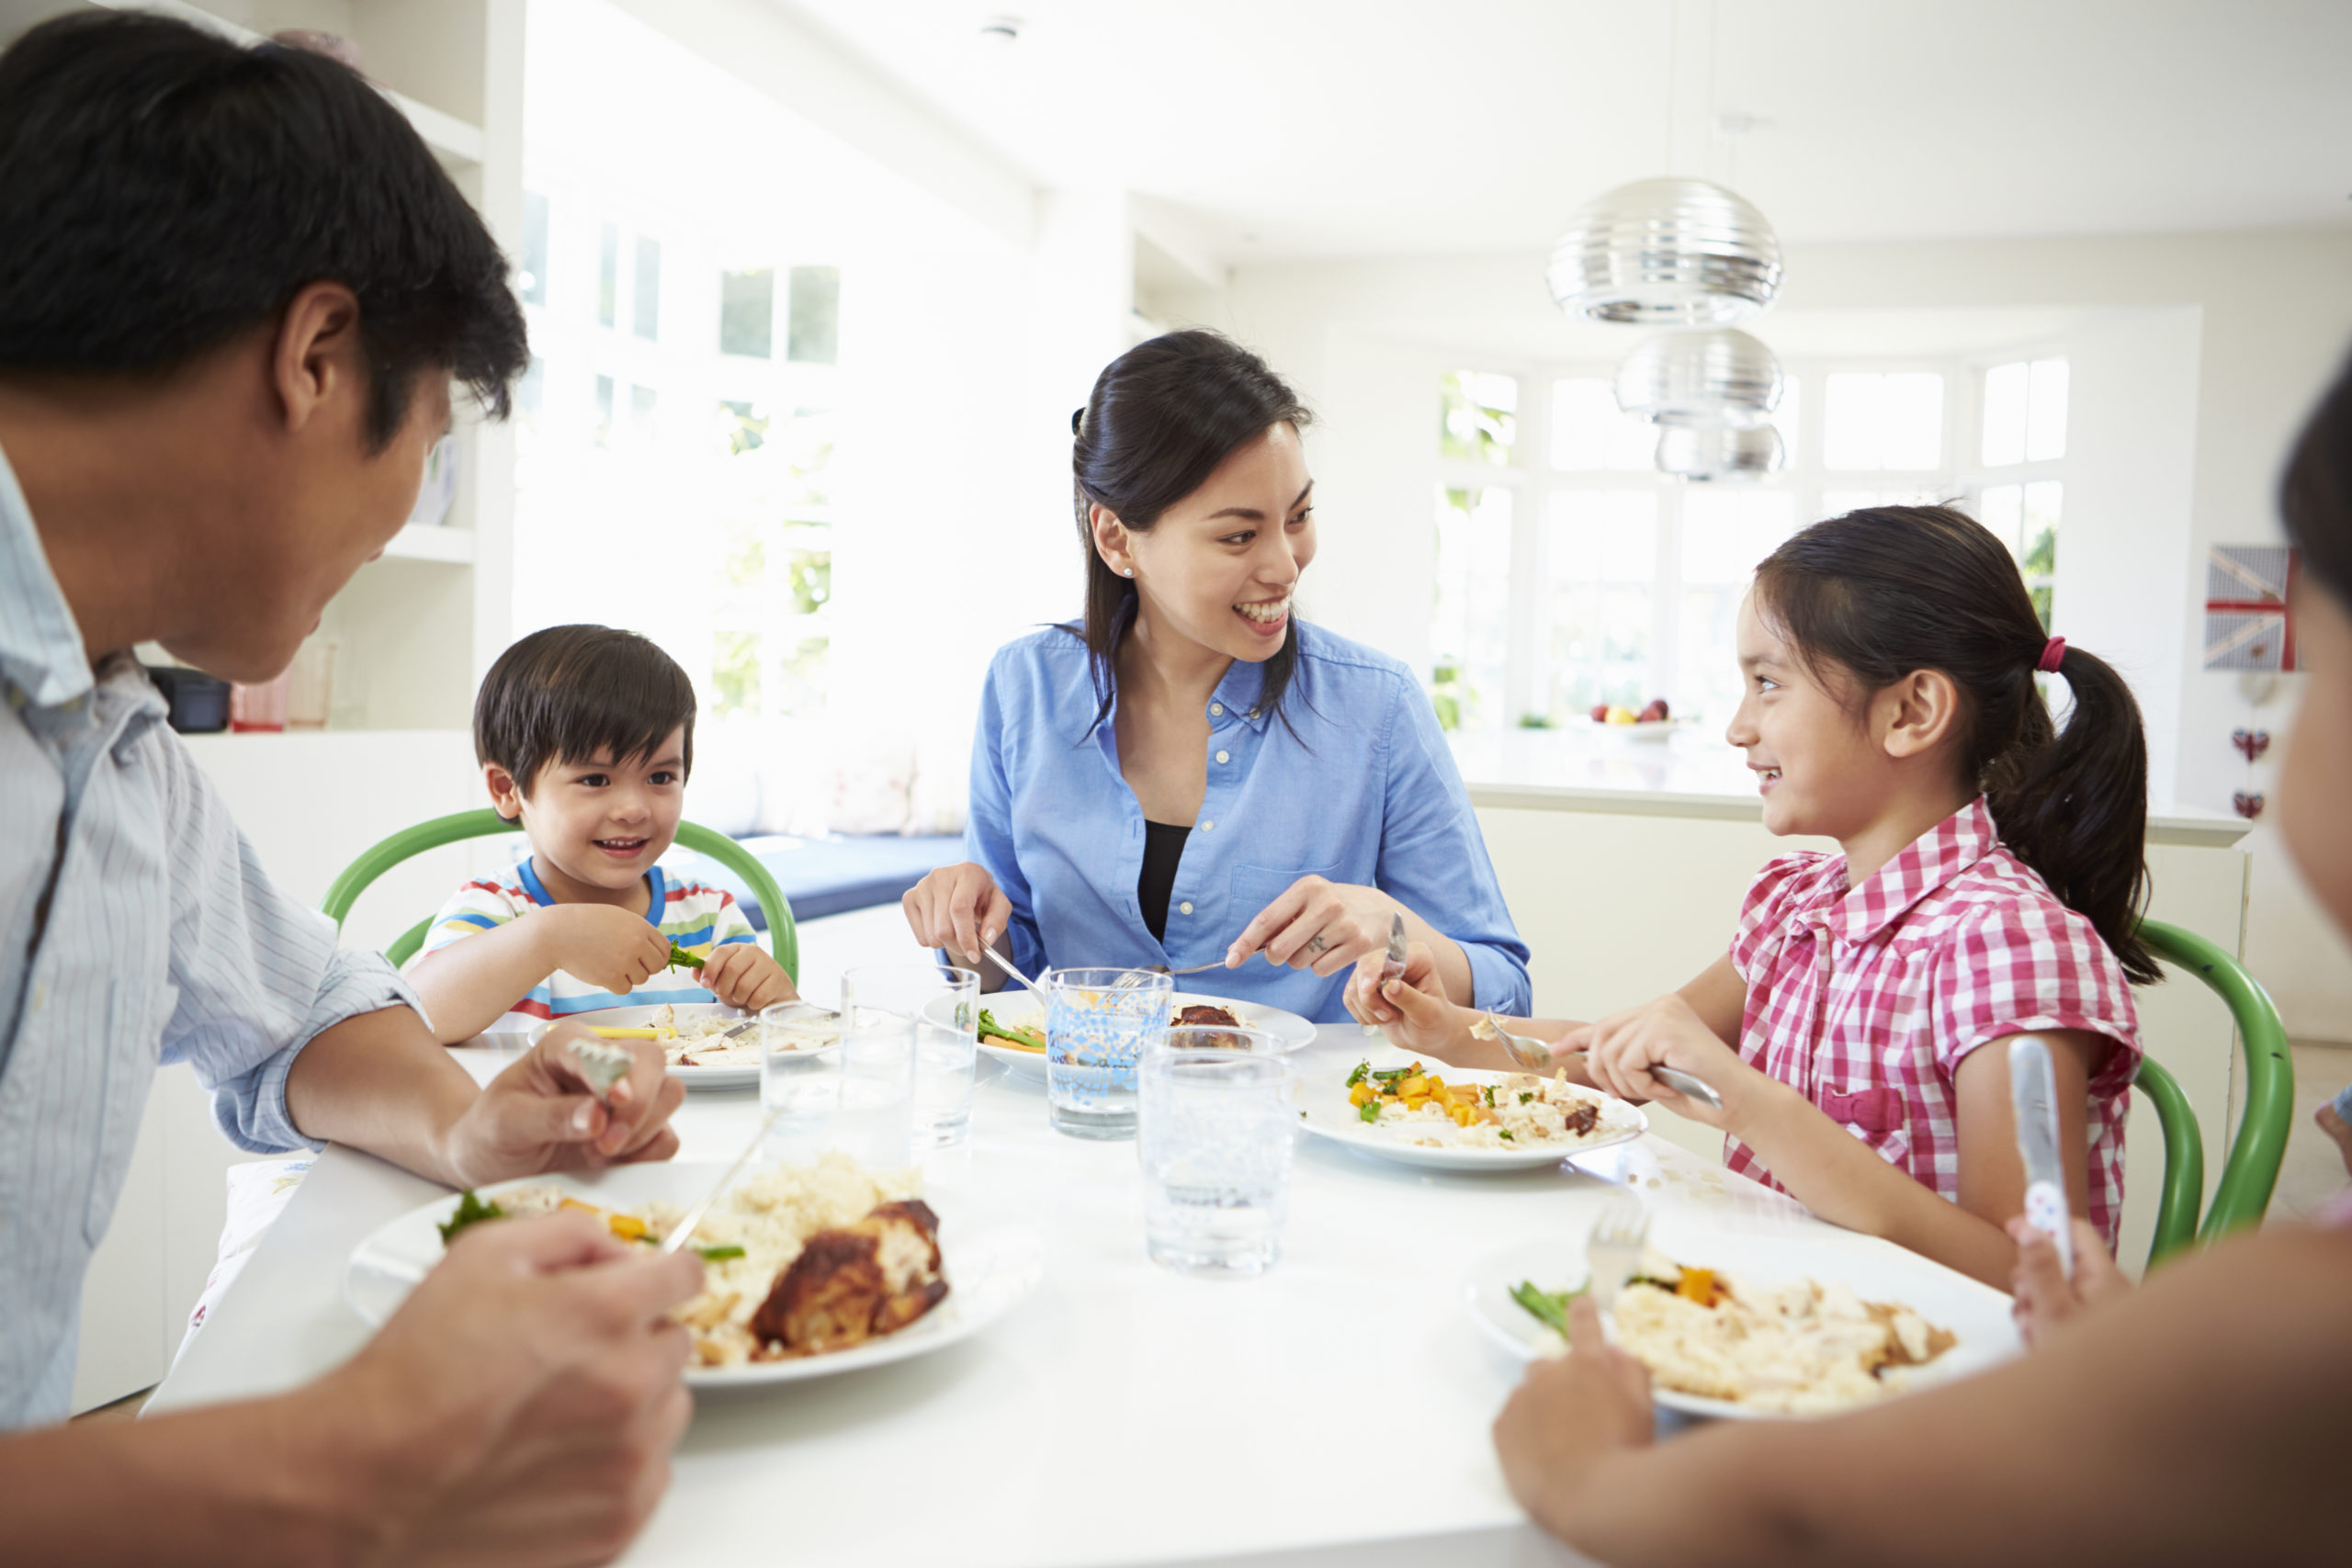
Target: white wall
column 2198, row 356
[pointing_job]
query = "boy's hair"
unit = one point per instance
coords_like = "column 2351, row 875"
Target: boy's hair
column 1882, row 593
column 2315, row 495
column 165, row 190
column 568, row 692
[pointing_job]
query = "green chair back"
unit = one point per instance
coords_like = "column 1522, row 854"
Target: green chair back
column 2251, row 1172
column 483, row 822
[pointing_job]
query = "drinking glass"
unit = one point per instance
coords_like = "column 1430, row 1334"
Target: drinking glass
column 940, row 1005
column 1097, row 1024
column 1217, row 1114
column 800, row 1072
column 881, row 1021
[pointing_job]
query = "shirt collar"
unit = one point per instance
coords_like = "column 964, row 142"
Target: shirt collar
column 1240, row 694
column 1931, row 860
column 40, row 646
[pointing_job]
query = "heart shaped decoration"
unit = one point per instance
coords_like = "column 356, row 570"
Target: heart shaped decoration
column 2251, row 743
column 2249, row 805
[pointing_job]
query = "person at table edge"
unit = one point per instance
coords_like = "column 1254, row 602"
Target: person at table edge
column 1193, row 774
column 237, row 289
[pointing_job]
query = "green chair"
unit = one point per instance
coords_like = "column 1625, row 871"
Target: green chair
column 481, row 824
column 2252, row 1169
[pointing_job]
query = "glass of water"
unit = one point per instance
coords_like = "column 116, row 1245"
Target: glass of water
column 800, row 1072
column 1215, row 1143
column 937, row 1006
column 1097, row 1024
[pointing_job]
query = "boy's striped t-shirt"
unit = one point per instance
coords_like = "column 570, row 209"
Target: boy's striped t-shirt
column 694, row 915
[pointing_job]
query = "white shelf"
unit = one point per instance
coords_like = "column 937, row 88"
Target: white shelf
column 449, row 547
column 451, row 137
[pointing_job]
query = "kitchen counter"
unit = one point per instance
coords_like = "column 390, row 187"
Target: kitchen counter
column 1693, row 771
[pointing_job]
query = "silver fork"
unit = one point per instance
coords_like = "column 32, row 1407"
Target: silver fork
column 1537, row 1057
column 1613, row 1250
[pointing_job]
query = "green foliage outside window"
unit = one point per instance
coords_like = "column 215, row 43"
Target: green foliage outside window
column 1473, row 423
column 735, row 672
column 2040, row 565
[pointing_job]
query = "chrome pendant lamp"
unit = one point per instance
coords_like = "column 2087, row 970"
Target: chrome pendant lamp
column 1674, row 252
column 1703, row 455
column 1719, row 376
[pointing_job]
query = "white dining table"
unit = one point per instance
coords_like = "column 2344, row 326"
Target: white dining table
column 1335, row 1410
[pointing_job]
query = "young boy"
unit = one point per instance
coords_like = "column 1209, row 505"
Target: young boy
column 586, row 733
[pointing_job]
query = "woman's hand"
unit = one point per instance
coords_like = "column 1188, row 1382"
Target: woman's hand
column 1670, row 1032
column 1319, row 925
column 1570, row 1414
column 2045, row 1297
column 958, row 907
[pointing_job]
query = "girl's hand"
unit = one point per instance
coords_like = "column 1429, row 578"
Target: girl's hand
column 1571, row 1412
column 958, row 907
column 2045, row 1297
column 606, row 945
column 1318, row 925
column 1670, row 1032
column 739, row 975
column 1411, row 1009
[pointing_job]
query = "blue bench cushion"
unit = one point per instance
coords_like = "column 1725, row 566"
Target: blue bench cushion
column 830, row 876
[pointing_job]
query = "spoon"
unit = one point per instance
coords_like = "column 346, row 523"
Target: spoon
column 1006, row 965
column 1536, row 1054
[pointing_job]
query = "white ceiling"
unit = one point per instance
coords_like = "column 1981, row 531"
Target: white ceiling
column 1290, row 128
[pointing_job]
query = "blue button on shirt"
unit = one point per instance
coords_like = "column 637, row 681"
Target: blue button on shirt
column 1365, row 793
column 136, row 927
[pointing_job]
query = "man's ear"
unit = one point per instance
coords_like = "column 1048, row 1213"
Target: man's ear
column 506, row 795
column 1918, row 712
column 318, row 360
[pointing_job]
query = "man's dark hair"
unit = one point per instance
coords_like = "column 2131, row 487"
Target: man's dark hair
column 163, row 190
column 569, row 694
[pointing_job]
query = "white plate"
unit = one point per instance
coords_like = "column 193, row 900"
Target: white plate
column 1977, row 1313
column 988, row 1273
column 745, row 1075
column 1323, row 1101
column 1018, row 1008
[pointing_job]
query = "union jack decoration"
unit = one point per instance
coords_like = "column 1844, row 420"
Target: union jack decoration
column 2247, row 624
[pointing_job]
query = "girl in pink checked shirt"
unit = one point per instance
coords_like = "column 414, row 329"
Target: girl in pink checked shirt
column 1990, row 881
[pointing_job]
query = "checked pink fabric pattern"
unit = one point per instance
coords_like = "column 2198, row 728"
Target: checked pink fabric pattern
column 1866, row 1000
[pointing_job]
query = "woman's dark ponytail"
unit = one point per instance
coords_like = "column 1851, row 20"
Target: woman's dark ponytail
column 1885, row 591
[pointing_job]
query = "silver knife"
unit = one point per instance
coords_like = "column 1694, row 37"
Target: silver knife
column 2033, row 1096
column 1394, row 965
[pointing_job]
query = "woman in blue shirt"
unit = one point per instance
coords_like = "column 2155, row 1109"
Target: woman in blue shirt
column 1194, row 776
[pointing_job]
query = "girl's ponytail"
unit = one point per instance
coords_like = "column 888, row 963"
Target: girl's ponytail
column 1890, row 590
column 2073, row 804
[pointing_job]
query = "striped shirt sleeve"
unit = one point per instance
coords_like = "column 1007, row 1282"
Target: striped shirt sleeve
column 479, row 906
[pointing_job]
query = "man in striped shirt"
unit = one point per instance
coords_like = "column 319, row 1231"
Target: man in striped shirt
column 237, row 288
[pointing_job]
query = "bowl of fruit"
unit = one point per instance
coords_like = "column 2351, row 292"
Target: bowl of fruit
column 1653, row 723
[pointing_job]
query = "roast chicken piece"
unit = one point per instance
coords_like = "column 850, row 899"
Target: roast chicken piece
column 854, row 1283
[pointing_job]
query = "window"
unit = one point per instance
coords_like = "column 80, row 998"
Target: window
column 604, row 423
column 532, row 395
column 532, row 282
column 813, row 336
column 747, row 312
column 2021, row 491
column 1572, row 574
column 647, row 318
column 1477, row 418
column 608, row 274
column 641, row 403
column 1470, row 642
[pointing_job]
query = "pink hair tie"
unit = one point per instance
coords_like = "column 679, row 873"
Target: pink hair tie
column 2053, row 652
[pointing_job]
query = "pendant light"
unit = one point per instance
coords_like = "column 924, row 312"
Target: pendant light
column 1674, row 252
column 1720, row 376
column 1708, row 454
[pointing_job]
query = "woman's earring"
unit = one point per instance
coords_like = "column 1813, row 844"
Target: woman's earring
column 1130, row 572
